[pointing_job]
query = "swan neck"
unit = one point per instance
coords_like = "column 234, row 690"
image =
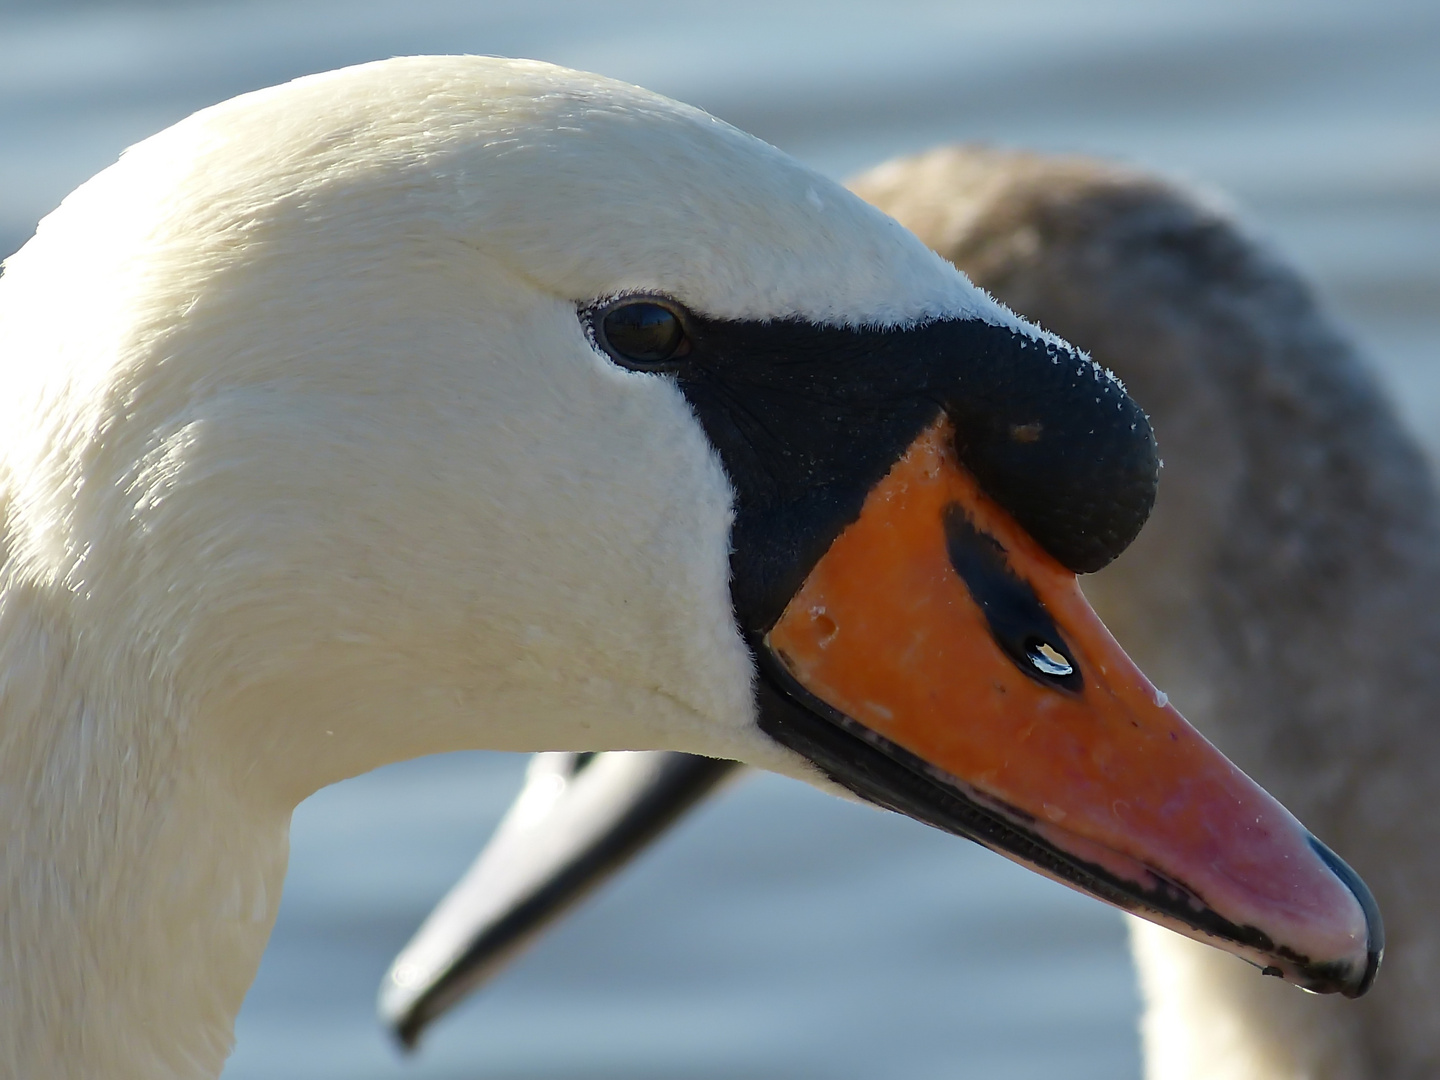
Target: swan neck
column 141, row 881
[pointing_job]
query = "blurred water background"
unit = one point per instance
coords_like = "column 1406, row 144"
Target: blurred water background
column 781, row 933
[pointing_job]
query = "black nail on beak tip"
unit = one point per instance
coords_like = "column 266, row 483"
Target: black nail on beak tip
column 1374, row 926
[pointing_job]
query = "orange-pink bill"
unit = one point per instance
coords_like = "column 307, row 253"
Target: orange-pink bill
column 917, row 624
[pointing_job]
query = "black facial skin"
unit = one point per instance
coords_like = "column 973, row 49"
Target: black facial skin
column 807, row 419
column 1018, row 620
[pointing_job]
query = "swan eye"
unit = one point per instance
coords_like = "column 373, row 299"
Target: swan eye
column 642, row 333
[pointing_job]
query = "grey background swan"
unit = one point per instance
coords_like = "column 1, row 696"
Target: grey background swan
column 1287, row 591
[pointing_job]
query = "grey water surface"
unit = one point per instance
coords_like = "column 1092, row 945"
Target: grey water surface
column 780, row 932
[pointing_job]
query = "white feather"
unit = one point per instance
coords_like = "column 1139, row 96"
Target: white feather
column 307, row 467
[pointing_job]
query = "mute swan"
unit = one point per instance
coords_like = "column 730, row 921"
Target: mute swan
column 1285, row 589
column 460, row 402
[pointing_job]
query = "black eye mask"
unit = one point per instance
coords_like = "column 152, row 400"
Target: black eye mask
column 807, row 419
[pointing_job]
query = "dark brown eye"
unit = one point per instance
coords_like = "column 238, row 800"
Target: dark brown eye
column 642, row 333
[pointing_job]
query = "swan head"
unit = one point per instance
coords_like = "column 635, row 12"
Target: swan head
column 458, row 402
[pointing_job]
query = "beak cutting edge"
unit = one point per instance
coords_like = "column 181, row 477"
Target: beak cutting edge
column 939, row 662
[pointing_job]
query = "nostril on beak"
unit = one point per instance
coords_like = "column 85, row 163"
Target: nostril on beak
column 1374, row 926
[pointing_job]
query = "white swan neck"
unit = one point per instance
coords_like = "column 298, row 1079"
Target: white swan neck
column 140, row 887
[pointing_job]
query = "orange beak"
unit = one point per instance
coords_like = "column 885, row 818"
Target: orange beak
column 939, row 637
